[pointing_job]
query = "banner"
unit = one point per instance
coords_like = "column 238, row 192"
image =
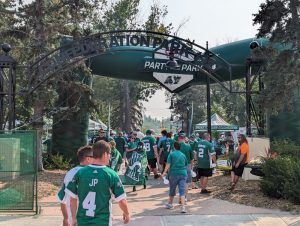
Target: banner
column 135, row 172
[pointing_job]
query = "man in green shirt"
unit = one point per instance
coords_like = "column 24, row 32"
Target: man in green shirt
column 115, row 157
column 205, row 155
column 151, row 150
column 120, row 143
column 166, row 147
column 85, row 157
column 92, row 189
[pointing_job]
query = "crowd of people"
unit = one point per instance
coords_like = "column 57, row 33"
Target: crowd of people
column 181, row 161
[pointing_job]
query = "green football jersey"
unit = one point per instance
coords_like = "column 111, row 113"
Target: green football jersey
column 95, row 186
column 120, row 144
column 149, row 144
column 187, row 151
column 115, row 159
column 168, row 147
column 204, row 150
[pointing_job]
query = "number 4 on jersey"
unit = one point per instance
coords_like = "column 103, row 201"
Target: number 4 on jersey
column 89, row 204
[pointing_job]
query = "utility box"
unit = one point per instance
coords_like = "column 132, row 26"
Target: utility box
column 258, row 147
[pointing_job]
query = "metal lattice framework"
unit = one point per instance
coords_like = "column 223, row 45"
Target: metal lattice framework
column 79, row 50
column 207, row 63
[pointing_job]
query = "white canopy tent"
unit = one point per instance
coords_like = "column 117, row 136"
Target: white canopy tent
column 93, row 125
column 217, row 123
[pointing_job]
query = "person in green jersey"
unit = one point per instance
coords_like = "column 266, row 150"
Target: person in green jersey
column 198, row 137
column 85, row 157
column 176, row 165
column 131, row 146
column 205, row 156
column 192, row 141
column 92, row 189
column 115, row 157
column 166, row 148
column 189, row 154
column 151, row 150
column 121, row 144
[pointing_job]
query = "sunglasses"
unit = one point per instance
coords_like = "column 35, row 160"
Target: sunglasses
column 101, row 132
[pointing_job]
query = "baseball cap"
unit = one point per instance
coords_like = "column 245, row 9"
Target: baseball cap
column 148, row 132
column 181, row 133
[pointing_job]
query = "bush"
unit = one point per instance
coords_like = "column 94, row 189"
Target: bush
column 286, row 148
column 276, row 171
column 292, row 187
column 281, row 178
column 57, row 162
column 282, row 174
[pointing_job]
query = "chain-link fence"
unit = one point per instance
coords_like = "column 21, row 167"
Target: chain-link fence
column 18, row 171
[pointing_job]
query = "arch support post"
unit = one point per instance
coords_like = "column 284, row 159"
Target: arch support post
column 248, row 98
column 7, row 89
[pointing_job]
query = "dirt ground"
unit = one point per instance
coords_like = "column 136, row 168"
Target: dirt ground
column 246, row 192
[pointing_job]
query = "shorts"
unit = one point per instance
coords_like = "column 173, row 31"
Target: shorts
column 152, row 163
column 189, row 174
column 175, row 181
column 204, row 172
column 238, row 171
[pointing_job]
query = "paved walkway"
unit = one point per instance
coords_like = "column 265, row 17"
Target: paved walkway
column 147, row 209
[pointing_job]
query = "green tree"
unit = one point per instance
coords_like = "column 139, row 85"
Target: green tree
column 126, row 96
column 279, row 20
column 37, row 28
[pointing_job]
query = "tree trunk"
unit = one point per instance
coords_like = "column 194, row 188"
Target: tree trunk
column 39, row 103
column 126, row 106
column 38, row 126
column 295, row 19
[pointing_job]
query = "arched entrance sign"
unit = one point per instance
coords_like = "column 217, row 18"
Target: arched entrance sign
column 137, row 55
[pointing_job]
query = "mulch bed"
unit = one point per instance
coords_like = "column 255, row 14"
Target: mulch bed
column 247, row 193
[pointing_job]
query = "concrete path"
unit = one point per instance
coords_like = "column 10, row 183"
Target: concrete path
column 147, row 209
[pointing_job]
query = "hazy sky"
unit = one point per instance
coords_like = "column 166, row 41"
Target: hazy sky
column 215, row 21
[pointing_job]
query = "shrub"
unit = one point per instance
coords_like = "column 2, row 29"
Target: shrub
column 277, row 172
column 57, row 162
column 292, row 187
column 286, row 148
column 282, row 174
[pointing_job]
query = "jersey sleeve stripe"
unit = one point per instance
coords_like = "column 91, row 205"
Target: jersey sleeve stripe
column 58, row 198
column 121, row 197
column 213, row 153
column 71, row 193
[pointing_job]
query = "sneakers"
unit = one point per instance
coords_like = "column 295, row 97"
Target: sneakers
column 169, row 206
column 183, row 209
column 204, row 191
column 179, row 202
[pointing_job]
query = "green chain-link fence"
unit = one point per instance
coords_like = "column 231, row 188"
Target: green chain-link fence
column 18, row 171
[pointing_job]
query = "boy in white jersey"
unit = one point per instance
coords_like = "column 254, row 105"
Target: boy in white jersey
column 94, row 186
column 85, row 157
